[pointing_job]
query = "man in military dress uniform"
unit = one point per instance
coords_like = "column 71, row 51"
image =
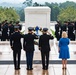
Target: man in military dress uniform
column 70, row 31
column 15, row 43
column 57, row 30
column 0, row 31
column 10, row 29
column 64, row 27
column 4, row 28
column 28, row 45
column 17, row 24
column 44, row 47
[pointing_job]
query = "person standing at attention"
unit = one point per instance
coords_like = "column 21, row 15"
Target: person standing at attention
column 28, row 46
column 64, row 49
column 15, row 43
column 44, row 47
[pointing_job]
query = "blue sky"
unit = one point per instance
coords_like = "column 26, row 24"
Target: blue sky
column 39, row 1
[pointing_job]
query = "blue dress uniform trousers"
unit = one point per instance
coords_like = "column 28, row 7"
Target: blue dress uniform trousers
column 29, row 59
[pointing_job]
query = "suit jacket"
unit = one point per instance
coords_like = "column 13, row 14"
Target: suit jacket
column 28, row 43
column 15, row 41
column 44, row 42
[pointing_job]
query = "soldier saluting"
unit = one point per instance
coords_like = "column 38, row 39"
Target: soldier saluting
column 44, row 47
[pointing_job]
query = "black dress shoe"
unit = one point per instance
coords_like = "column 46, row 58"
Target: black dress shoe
column 46, row 68
column 18, row 68
column 43, row 68
column 31, row 68
column 27, row 69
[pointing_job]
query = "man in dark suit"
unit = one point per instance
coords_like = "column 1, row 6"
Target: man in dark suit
column 44, row 47
column 28, row 45
column 15, row 43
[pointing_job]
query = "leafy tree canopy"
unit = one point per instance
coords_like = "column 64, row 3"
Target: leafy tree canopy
column 9, row 14
column 68, row 13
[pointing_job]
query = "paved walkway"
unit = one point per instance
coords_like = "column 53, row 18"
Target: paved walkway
column 54, row 68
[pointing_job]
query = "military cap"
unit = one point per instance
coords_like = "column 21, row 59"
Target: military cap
column 30, row 28
column 45, row 29
column 16, row 27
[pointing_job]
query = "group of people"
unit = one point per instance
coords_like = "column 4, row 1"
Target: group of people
column 44, row 47
column 28, row 47
column 11, row 32
column 7, row 28
column 68, row 26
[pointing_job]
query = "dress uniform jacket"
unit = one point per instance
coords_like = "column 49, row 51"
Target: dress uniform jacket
column 44, row 42
column 45, row 48
column 28, row 43
column 11, row 29
column 15, row 41
column 4, row 32
column 28, row 46
column 57, row 31
column 70, row 32
column 0, row 31
column 63, row 28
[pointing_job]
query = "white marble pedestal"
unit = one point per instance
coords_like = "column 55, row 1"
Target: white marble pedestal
column 37, row 16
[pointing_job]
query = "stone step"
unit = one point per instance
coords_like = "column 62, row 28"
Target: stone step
column 6, row 62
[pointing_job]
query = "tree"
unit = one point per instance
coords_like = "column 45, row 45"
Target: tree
column 68, row 13
column 28, row 2
column 20, row 11
column 36, row 4
column 54, row 10
column 9, row 14
column 55, row 13
column 67, row 4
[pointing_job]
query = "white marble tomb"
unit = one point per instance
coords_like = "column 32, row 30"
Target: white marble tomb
column 37, row 16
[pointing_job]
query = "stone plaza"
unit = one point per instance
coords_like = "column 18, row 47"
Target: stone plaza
column 55, row 66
